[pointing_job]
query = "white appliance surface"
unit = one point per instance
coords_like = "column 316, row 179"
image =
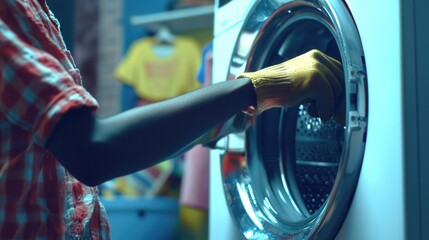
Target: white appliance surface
column 377, row 210
column 228, row 22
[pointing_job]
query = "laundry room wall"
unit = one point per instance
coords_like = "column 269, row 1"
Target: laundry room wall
column 64, row 11
column 110, row 44
column 137, row 7
column 93, row 32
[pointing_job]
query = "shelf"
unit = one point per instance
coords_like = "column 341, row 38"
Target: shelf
column 178, row 21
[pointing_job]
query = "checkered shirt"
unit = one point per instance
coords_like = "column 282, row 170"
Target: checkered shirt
column 39, row 82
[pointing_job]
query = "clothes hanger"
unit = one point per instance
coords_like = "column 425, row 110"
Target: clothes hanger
column 164, row 36
column 164, row 42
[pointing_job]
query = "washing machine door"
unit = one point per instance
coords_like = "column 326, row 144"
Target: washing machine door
column 296, row 175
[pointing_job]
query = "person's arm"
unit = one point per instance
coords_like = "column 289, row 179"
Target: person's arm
column 95, row 150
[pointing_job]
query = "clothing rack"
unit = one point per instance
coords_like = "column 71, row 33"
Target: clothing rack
column 178, row 21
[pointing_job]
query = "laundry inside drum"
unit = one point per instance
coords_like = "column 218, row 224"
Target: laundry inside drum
column 315, row 159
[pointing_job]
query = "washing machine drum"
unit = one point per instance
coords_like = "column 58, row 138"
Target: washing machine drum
column 298, row 174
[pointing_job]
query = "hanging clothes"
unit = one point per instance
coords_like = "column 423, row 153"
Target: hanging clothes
column 158, row 76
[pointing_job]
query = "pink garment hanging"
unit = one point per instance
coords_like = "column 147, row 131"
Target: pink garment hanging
column 194, row 191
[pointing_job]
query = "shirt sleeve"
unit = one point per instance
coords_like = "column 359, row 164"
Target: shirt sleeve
column 35, row 89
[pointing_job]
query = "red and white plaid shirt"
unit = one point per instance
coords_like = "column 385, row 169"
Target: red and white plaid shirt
column 39, row 82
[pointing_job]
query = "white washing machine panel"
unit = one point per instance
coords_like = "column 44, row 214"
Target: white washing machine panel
column 261, row 169
column 228, row 20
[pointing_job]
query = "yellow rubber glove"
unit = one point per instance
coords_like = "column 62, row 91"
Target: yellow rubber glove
column 312, row 77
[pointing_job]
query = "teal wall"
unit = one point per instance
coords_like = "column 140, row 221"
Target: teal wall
column 139, row 7
column 64, row 11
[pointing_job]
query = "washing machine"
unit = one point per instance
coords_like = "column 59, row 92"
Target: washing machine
column 292, row 176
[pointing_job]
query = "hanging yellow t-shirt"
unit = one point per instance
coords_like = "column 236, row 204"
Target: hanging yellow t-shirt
column 155, row 77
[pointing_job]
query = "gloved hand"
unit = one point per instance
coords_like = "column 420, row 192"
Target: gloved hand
column 312, row 77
